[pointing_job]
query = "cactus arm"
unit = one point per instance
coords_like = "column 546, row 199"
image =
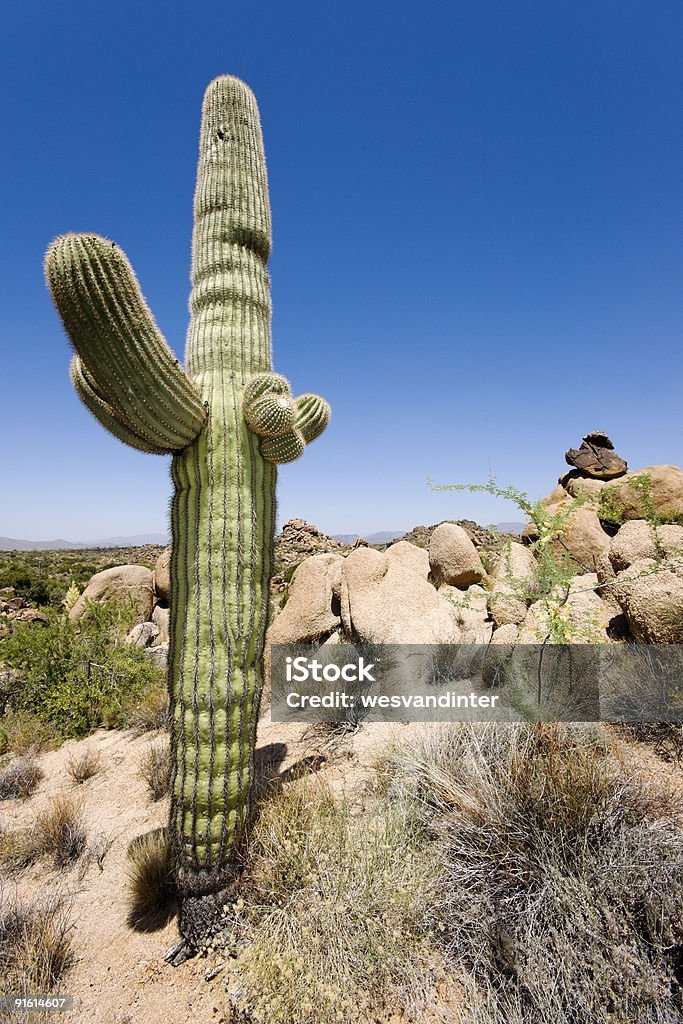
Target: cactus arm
column 124, row 356
column 286, row 425
column 102, row 411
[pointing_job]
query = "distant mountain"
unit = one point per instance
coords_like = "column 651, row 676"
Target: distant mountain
column 386, row 536
column 137, row 540
column 383, row 537
column 510, row 527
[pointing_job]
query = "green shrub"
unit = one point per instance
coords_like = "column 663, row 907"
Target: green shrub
column 77, row 677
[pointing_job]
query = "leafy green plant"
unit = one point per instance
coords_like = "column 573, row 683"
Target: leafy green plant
column 77, row 677
column 554, row 571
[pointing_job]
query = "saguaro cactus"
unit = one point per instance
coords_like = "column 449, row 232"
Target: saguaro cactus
column 227, row 420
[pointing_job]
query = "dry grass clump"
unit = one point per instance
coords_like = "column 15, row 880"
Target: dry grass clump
column 19, row 779
column 85, row 766
column 560, row 887
column 58, row 832
column 61, row 831
column 327, row 922
column 24, row 734
column 35, row 943
column 151, row 894
column 19, row 848
column 154, row 766
column 150, row 711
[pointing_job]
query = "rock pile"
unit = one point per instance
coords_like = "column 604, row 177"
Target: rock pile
column 300, row 539
column 17, row 609
column 148, row 592
column 456, row 583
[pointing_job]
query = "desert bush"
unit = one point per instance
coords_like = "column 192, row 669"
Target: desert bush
column 35, row 942
column 560, row 887
column 19, row 848
column 154, row 767
column 61, row 830
column 613, row 510
column 85, row 766
column 19, row 779
column 149, row 710
column 24, row 734
column 151, row 894
column 327, row 920
column 554, row 571
column 78, row 677
column 44, row 577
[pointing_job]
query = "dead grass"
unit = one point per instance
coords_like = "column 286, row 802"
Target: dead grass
column 154, row 766
column 35, row 942
column 151, row 895
column 85, row 766
column 19, row 848
column 61, row 830
column 150, row 712
column 560, row 889
column 25, row 734
column 326, row 926
column 19, row 779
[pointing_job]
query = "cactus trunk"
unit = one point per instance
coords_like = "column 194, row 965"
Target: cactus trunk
column 223, row 512
column 227, row 420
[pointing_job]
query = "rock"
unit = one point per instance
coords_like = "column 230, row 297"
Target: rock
column 32, row 617
column 627, row 498
column 311, row 610
column 506, row 634
column 506, row 606
column 453, row 557
column 121, row 583
column 651, row 594
column 162, row 576
column 557, row 494
column 606, row 580
column 158, row 655
column 386, row 597
column 596, row 457
column 143, row 635
column 637, row 539
column 300, row 539
column 514, row 564
column 471, row 613
column 577, row 484
column 586, row 617
column 480, row 537
column 582, row 538
column 161, row 617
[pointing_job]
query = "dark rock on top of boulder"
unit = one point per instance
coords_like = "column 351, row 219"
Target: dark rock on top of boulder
column 596, row 457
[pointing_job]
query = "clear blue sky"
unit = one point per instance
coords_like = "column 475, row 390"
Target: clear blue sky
column 477, row 238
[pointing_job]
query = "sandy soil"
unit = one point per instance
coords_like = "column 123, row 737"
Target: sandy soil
column 120, row 976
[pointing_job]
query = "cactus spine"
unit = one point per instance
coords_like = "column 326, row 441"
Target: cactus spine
column 227, row 421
